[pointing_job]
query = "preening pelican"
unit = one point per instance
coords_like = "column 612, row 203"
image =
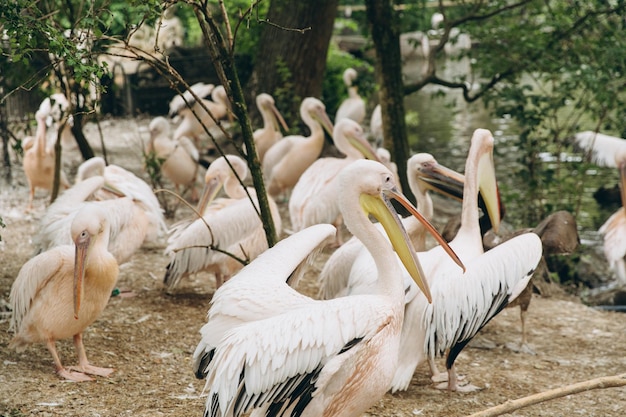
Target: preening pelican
column 180, row 157
column 58, row 293
column 128, row 223
column 354, row 106
column 268, row 347
column 129, row 185
column 610, row 151
column 270, row 133
column 218, row 108
column 38, row 162
column 424, row 173
column 314, row 197
column 285, row 162
column 232, row 225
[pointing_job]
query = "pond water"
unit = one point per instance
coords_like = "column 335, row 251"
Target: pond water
column 443, row 124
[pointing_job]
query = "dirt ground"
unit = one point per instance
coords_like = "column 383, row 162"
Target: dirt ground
column 149, row 338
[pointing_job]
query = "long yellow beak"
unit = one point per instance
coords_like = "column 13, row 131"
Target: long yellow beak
column 488, row 188
column 443, row 180
column 79, row 271
column 380, row 207
column 278, row 118
column 362, row 145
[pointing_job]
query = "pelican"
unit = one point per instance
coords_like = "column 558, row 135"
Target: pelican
column 610, row 151
column 267, row 347
column 58, row 293
column 59, row 105
column 127, row 184
column 228, row 226
column 270, row 133
column 180, row 157
column 180, row 101
column 285, row 162
column 38, row 162
column 191, row 127
column 128, row 223
column 376, row 126
column 354, row 106
column 314, row 197
column 465, row 301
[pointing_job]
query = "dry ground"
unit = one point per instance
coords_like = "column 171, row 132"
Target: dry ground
column 149, row 339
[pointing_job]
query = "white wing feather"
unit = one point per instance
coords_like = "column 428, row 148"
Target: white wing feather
column 603, row 147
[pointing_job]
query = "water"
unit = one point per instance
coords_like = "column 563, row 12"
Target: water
column 444, row 128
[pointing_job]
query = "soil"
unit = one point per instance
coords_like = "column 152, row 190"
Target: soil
column 149, row 337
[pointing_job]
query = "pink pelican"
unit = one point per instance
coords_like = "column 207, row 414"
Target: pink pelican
column 60, row 292
column 285, row 162
column 354, row 106
column 229, row 226
column 270, row 133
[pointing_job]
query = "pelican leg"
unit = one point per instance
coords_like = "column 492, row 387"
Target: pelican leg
column 61, row 371
column 453, row 383
column 30, row 199
column 434, row 371
column 83, row 362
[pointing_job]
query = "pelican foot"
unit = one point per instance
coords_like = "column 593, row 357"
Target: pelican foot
column 521, row 348
column 92, row 370
column 73, row 375
column 443, row 377
column 459, row 387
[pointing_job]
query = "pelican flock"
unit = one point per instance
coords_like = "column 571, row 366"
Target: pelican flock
column 270, row 349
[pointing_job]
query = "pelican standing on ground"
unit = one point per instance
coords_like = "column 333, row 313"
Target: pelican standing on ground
column 180, row 157
column 285, row 162
column 58, row 293
column 354, row 106
column 466, row 301
column 268, row 347
column 232, row 225
column 314, row 197
column 610, row 151
column 38, row 162
column 270, row 133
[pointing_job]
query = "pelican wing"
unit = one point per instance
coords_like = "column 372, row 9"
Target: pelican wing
column 603, row 147
column 280, row 362
column 333, row 279
column 189, row 147
column 259, row 290
column 35, row 275
column 466, row 302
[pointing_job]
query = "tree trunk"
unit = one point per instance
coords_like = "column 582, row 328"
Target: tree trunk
column 383, row 27
column 291, row 59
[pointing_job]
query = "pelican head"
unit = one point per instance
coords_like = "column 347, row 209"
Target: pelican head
column 224, row 171
column 349, row 75
column 487, row 184
column 348, row 136
column 426, row 171
column 313, row 109
column 266, row 102
column 88, row 224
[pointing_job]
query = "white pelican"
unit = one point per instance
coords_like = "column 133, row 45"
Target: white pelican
column 129, row 185
column 58, row 293
column 354, row 106
column 465, row 301
column 268, row 347
column 228, row 226
column 285, row 162
column 314, row 197
column 218, row 108
column 270, row 133
column 128, row 223
column 610, row 151
column 59, row 105
column 38, row 162
column 180, row 157
column 376, row 126
column 424, row 173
